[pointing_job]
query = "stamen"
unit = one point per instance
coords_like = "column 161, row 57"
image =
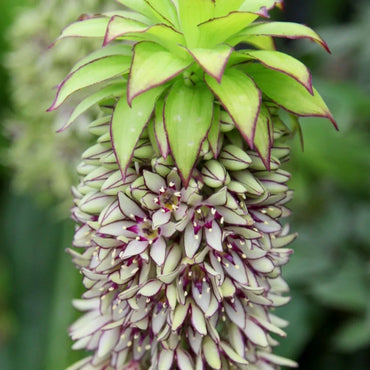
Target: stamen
column 177, row 194
column 162, row 190
column 171, row 183
column 213, row 211
column 148, row 347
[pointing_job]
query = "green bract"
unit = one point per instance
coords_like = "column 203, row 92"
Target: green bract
column 180, row 200
column 187, row 48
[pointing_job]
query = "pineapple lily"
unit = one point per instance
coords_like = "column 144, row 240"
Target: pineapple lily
column 180, row 199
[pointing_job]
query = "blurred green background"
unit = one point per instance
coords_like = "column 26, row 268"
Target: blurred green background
column 330, row 271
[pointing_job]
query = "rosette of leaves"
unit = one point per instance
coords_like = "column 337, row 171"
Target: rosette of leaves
column 179, row 239
column 41, row 160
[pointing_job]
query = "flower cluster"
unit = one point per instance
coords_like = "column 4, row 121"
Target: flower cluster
column 180, row 277
column 181, row 199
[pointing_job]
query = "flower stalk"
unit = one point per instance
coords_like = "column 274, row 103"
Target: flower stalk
column 180, row 238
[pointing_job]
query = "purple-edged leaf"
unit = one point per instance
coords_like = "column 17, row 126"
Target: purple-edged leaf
column 240, row 97
column 106, row 92
column 223, row 7
column 192, row 13
column 166, row 11
column 104, row 52
column 188, row 116
column 159, row 130
column 288, row 93
column 152, row 65
column 262, row 139
column 258, row 5
column 288, row 30
column 217, row 30
column 214, row 60
column 283, row 63
column 262, row 42
column 214, row 132
column 140, row 6
column 120, row 26
column 152, row 138
column 91, row 27
column 129, row 122
column 90, row 74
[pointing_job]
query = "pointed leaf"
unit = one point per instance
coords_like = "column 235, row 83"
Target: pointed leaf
column 140, row 6
column 106, row 92
column 166, row 36
column 152, row 65
column 214, row 60
column 128, row 124
column 240, row 97
column 215, row 132
column 211, row 353
column 188, row 117
column 119, row 26
column 283, row 63
column 90, row 74
column 91, row 27
column 166, row 10
column 192, row 13
column 288, row 93
column 288, row 30
column 223, row 7
column 261, row 42
column 257, row 5
column 262, row 140
column 104, row 52
column 217, row 30
column 159, row 130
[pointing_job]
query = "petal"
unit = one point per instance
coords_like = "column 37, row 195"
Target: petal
column 153, row 181
column 160, row 218
column 214, row 236
column 191, row 241
column 165, row 360
column 198, row 320
column 218, row 199
column 134, row 248
column 128, row 207
column 151, row 288
column 158, row 251
column 168, row 229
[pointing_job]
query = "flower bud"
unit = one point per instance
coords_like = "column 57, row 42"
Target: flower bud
column 137, row 189
column 215, row 174
column 227, row 124
column 234, row 158
column 258, row 165
column 163, row 166
column 100, row 126
column 144, row 150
